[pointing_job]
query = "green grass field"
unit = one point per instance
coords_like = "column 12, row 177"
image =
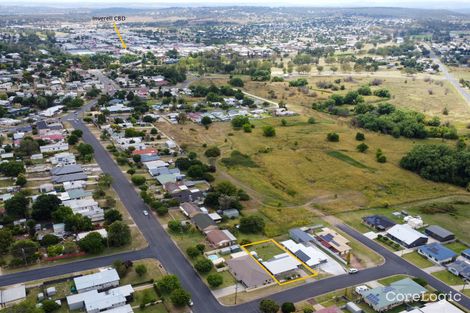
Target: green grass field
column 387, row 281
column 448, row 278
column 417, row 259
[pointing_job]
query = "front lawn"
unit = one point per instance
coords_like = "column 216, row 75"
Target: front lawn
column 448, row 278
column 418, row 260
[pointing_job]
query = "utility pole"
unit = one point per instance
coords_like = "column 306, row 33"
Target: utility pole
column 236, row 291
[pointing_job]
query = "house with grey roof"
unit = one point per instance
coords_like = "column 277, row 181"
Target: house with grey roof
column 439, row 233
column 460, row 268
column 69, row 178
column 203, row 222
column 248, row 272
column 66, row 170
column 12, row 295
column 300, row 236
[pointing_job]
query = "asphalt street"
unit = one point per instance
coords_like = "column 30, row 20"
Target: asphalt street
column 165, row 250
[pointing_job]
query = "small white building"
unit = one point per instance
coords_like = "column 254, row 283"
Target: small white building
column 105, row 279
column 55, row 147
column 12, row 295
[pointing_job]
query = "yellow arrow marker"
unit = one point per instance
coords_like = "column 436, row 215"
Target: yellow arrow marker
column 119, row 35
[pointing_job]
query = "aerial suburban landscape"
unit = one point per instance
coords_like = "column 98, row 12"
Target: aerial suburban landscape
column 223, row 157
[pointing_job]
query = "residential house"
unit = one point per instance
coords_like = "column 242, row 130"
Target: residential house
column 282, row 265
column 86, row 207
column 441, row 306
column 12, row 295
column 405, row 290
column 63, row 159
column 70, row 185
column 103, row 233
column 333, row 241
column 203, row 222
column 460, row 268
column 246, row 271
column 379, row 222
column 466, row 254
column 307, row 254
column 407, row 236
column 69, row 178
column 439, row 233
column 66, row 170
column 437, row 253
column 189, row 209
column 55, row 147
column 300, row 236
column 220, row 238
column 93, row 301
column 99, row 281
column 181, row 192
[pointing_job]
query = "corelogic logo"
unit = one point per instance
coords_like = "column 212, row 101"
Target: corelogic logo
column 393, row 296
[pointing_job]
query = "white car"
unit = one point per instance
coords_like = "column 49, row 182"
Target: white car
column 190, row 302
column 146, row 213
column 353, row 271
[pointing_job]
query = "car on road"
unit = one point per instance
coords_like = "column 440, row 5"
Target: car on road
column 146, row 213
column 190, row 302
column 353, row 271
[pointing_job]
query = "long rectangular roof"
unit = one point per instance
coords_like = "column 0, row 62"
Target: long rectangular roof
column 405, row 233
column 96, row 279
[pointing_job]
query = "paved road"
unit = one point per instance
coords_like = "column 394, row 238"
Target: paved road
column 165, row 250
column 451, row 78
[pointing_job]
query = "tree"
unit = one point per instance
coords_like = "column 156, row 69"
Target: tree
column 85, row 149
column 105, row 180
column 121, row 267
column 49, row 306
column 236, row 82
column 12, row 168
column 226, row 188
column 206, row 121
column 180, row 297
column 239, row 120
column 333, row 137
column 21, row 180
column 175, row 226
column 269, row 131
column 287, row 307
column 92, row 243
column 203, row 265
column 268, row 306
column 77, row 223
column 49, row 240
column 6, row 239
column 17, row 206
column 311, row 120
column 44, row 206
column 77, row 132
column 72, row 140
column 24, row 249
column 140, row 269
column 195, row 171
column 251, row 224
column 215, row 280
column 362, row 147
column 360, row 136
column 111, row 216
column 138, row 180
column 61, row 214
column 193, row 252
column 380, row 157
column 119, row 234
column 212, row 152
column 28, row 147
column 168, row 283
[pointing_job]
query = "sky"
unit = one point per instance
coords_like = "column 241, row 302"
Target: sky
column 431, row 4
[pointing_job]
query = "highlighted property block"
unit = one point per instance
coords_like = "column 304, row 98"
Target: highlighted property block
column 282, row 266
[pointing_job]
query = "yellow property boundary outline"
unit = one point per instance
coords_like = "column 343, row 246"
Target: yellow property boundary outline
column 313, row 272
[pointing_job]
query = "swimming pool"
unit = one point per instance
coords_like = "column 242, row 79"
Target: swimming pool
column 212, row 257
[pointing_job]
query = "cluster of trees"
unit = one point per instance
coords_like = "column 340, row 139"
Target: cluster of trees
column 440, row 163
column 385, row 118
column 169, row 285
column 225, row 195
column 300, row 82
column 194, row 168
column 270, row 306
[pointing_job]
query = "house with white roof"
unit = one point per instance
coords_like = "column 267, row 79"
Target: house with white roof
column 55, row 147
column 282, row 264
column 105, row 279
column 86, row 207
column 12, row 295
column 309, row 255
column 405, row 235
column 63, row 158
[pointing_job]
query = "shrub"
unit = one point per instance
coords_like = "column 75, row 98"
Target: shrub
column 215, row 280
column 138, row 180
column 333, row 137
column 311, row 120
column 360, row 136
column 269, row 131
column 362, row 147
column 203, row 265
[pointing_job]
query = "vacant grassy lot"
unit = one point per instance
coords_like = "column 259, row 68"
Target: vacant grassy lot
column 387, row 281
column 298, row 166
column 266, row 251
column 457, row 247
column 448, row 278
column 418, row 260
